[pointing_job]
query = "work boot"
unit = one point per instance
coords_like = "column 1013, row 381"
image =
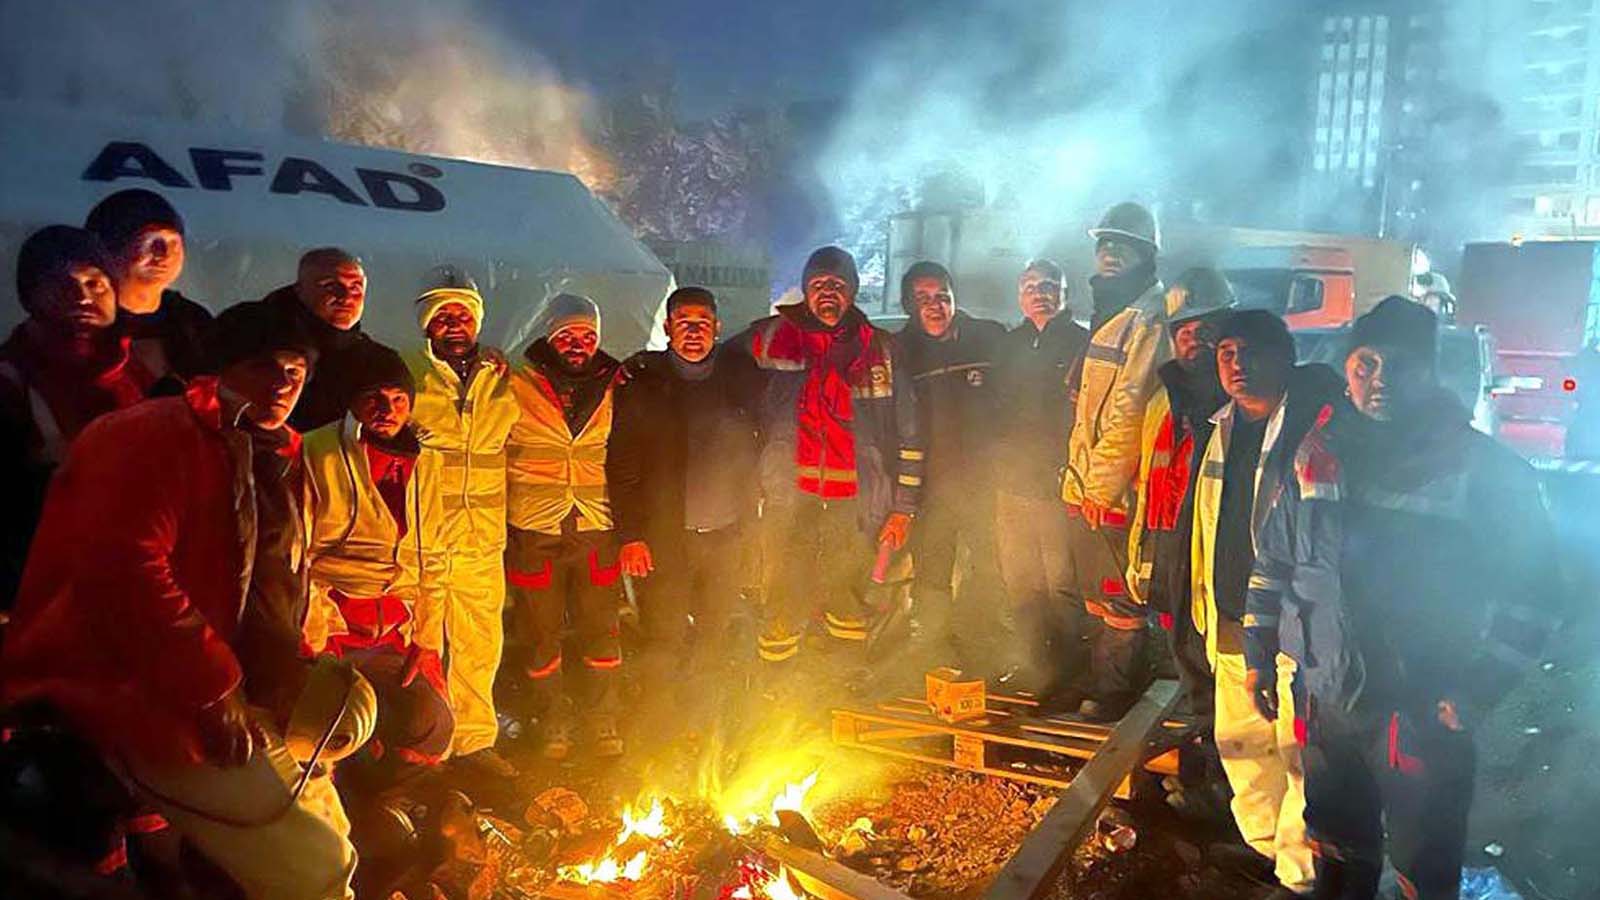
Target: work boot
column 558, row 738
column 605, row 737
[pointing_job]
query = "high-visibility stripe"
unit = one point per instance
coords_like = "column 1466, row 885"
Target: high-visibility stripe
column 546, row 670
column 847, row 634
column 114, row 861
column 911, row 454
column 909, row 480
column 456, row 459
column 1106, row 353
column 778, row 655
column 1261, row 582
column 603, row 663
column 488, row 500
column 1259, row 620
column 1213, row 468
column 847, row 628
column 945, row 370
column 148, row 823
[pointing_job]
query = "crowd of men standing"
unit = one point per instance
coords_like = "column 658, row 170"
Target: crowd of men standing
column 224, row 526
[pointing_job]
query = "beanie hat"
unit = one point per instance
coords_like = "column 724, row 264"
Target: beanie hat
column 119, row 218
column 54, row 250
column 832, row 261
column 1398, row 324
column 922, row 269
column 1261, row 330
column 691, row 296
column 250, row 330
column 446, row 285
column 565, row 310
column 368, row 365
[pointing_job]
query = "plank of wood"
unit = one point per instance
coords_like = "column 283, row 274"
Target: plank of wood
column 1048, row 848
column 825, row 878
column 1008, row 733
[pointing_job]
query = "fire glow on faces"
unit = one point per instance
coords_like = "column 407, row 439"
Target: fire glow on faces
column 382, row 410
column 576, row 345
column 79, row 299
column 154, row 257
column 692, row 331
column 934, row 304
column 269, row 384
column 452, row 332
column 335, row 293
column 828, row 296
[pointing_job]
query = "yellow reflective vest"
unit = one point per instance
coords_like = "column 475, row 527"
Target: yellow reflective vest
column 1119, row 377
column 461, row 472
column 550, row 471
column 356, row 545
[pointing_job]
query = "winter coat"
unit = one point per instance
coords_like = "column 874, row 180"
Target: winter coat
column 46, row 398
column 172, row 342
column 887, row 446
column 461, row 471
column 1311, row 387
column 1117, row 382
column 1170, row 446
column 955, row 400
column 556, row 451
column 327, row 395
column 654, row 461
column 357, row 548
column 1402, row 564
column 1033, row 373
column 133, row 595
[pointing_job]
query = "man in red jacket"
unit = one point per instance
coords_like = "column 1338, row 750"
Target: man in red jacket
column 161, row 609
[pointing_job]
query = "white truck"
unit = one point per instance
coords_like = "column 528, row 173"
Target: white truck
column 254, row 203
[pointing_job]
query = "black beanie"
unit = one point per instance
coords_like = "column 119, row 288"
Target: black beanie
column 368, row 365
column 1261, row 330
column 250, row 330
column 53, row 250
column 119, row 218
column 833, row 261
column 691, row 296
column 922, row 269
column 1398, row 324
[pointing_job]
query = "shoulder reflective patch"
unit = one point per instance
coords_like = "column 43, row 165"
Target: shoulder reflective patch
column 1259, row 620
column 1105, row 353
column 1316, row 468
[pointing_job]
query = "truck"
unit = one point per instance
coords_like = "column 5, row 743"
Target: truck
column 253, row 203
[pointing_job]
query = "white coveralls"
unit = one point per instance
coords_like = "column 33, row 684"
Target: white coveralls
column 1261, row 758
column 461, row 478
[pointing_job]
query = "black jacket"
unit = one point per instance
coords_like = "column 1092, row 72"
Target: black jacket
column 1033, row 377
column 672, row 436
column 327, row 395
column 1193, row 401
column 955, row 399
column 182, row 330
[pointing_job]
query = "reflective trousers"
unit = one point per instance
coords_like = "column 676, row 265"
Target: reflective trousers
column 296, row 850
column 460, row 614
column 814, row 554
column 1263, row 763
column 562, row 581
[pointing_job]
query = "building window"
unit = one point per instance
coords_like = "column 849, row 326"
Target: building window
column 1591, row 211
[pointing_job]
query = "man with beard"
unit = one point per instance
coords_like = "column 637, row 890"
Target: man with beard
column 1129, row 342
column 326, row 301
column 1035, row 364
column 840, row 459
column 948, row 355
column 1408, row 568
column 561, row 555
column 62, row 367
column 1271, row 405
column 682, row 467
column 464, row 413
column 146, row 240
column 1177, row 424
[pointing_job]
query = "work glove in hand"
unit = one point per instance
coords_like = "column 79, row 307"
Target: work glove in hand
column 229, row 734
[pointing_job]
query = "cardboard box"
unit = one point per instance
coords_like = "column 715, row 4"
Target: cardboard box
column 952, row 699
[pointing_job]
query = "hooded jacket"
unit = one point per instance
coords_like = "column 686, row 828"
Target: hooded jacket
column 658, row 458
column 1310, row 388
column 327, row 395
column 1118, row 378
column 955, row 399
column 556, row 451
column 131, row 606
column 1403, row 563
column 887, row 448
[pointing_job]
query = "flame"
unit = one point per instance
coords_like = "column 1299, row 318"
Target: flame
column 651, row 825
column 778, row 888
column 607, row 870
column 793, row 796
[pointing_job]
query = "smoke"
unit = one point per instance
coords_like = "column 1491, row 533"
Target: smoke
column 426, row 76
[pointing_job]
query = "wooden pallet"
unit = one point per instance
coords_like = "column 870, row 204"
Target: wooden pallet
column 906, row 728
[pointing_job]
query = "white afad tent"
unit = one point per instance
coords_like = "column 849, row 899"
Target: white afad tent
column 252, row 204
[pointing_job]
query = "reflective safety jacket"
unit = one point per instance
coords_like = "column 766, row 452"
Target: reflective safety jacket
column 1118, row 379
column 357, row 547
column 1311, row 387
column 461, row 472
column 551, row 471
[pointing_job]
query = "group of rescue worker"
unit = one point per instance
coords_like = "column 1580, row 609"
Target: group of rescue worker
column 239, row 546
